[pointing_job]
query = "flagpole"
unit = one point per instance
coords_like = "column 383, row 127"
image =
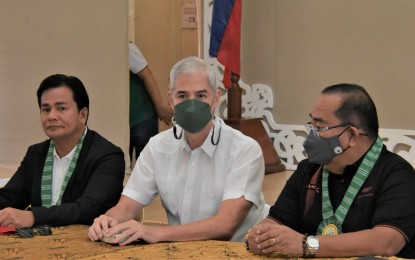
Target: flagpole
column 225, row 46
column 251, row 127
column 234, row 98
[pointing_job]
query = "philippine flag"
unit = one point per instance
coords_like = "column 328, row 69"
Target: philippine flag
column 225, row 37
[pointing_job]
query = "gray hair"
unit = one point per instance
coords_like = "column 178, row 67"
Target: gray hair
column 192, row 65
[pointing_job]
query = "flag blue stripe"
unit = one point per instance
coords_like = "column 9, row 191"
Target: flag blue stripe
column 222, row 10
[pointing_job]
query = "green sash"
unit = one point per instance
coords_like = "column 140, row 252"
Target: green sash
column 332, row 222
column 46, row 184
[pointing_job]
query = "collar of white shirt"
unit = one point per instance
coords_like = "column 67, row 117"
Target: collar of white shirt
column 207, row 145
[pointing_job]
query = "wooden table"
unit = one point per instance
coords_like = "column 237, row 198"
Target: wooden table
column 72, row 242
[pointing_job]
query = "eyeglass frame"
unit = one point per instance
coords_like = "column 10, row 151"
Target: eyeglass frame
column 311, row 128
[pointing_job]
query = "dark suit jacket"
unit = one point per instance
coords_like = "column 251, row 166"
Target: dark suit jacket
column 94, row 187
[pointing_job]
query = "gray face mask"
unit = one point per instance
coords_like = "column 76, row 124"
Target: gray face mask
column 323, row 150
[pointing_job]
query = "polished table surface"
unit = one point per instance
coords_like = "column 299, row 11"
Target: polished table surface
column 72, row 242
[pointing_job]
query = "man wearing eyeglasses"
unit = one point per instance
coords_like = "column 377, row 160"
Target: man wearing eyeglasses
column 351, row 197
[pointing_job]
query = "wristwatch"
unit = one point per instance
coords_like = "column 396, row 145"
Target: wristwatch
column 313, row 244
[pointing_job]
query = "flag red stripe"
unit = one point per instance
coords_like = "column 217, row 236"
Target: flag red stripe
column 230, row 48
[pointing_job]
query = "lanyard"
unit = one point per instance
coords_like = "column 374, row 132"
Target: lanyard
column 46, row 183
column 332, row 222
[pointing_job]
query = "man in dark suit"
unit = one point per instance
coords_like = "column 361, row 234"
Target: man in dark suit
column 71, row 178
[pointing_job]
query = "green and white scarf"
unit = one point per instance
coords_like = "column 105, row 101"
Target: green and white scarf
column 46, row 184
column 337, row 219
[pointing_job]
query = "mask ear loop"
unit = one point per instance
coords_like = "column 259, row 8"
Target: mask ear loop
column 213, row 134
column 175, row 129
column 339, row 149
column 213, row 131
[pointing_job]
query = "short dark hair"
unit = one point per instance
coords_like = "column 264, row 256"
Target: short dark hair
column 80, row 95
column 357, row 108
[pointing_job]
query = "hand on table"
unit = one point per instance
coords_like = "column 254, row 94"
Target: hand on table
column 130, row 231
column 10, row 217
column 268, row 238
column 100, row 225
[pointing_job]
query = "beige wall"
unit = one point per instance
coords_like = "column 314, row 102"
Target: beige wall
column 299, row 47
column 159, row 36
column 38, row 38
